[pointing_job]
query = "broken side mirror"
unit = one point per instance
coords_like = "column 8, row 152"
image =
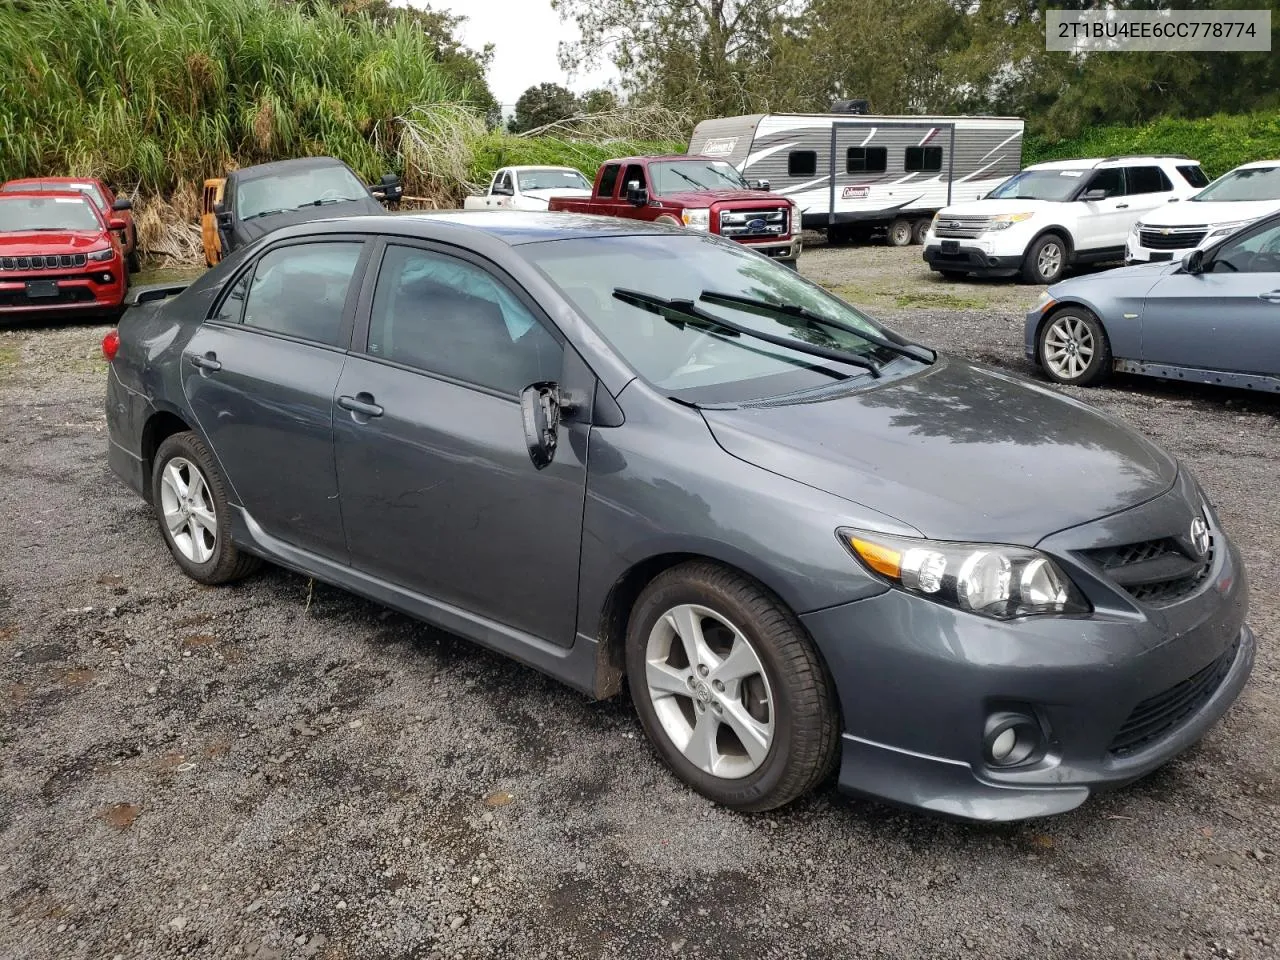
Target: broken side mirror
column 540, row 413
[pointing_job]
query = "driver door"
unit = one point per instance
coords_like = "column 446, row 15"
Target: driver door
column 1226, row 318
column 1105, row 223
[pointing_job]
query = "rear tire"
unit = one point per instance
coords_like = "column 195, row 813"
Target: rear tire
column 1045, row 261
column 729, row 688
column 1073, row 348
column 920, row 230
column 190, row 500
column 899, row 233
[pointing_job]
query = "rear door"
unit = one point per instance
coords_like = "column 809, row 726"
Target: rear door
column 1146, row 188
column 260, row 376
column 439, row 494
column 1227, row 318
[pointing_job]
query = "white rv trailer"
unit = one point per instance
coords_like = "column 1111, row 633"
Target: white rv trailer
column 851, row 173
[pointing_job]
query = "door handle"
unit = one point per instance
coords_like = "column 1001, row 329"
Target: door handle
column 1122, row 206
column 209, row 361
column 361, row 403
column 1272, row 296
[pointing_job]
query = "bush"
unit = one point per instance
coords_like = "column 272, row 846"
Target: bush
column 1219, row 143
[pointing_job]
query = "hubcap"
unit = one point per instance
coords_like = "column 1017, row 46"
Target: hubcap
column 709, row 690
column 1068, row 347
column 188, row 511
column 1049, row 260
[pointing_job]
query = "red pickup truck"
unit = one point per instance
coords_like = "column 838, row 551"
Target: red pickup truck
column 699, row 193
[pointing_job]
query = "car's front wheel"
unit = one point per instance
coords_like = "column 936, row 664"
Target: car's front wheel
column 190, row 501
column 1045, row 261
column 1073, row 348
column 730, row 688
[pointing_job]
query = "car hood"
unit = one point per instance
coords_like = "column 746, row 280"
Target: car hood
column 26, row 243
column 959, row 452
column 695, row 198
column 253, row 229
column 1134, row 280
column 1186, row 212
column 990, row 208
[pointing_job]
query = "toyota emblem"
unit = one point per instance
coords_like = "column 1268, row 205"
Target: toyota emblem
column 1200, row 536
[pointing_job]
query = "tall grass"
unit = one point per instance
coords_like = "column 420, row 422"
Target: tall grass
column 158, row 96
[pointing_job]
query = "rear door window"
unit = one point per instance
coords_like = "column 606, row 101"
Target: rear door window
column 301, row 290
column 1146, row 180
column 1192, row 173
column 608, row 181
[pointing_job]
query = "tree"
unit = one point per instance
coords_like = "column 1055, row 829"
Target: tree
column 600, row 100
column 543, row 104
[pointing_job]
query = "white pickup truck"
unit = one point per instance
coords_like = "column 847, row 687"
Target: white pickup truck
column 529, row 188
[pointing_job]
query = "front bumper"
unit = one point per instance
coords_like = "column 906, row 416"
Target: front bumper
column 785, row 250
column 81, row 293
column 917, row 682
column 964, row 258
column 1135, row 252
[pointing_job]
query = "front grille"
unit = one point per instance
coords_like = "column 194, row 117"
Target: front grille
column 753, row 223
column 51, row 262
column 1154, row 572
column 1158, row 716
column 1171, row 238
column 961, row 227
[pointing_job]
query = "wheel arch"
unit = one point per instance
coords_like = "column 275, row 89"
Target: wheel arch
column 1061, row 232
column 1057, row 308
column 160, row 426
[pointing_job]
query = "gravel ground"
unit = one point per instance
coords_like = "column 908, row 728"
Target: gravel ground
column 279, row 770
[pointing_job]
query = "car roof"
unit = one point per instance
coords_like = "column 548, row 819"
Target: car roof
column 1089, row 163
column 540, row 166
column 50, row 195
column 36, row 183
column 1257, row 164
column 277, row 167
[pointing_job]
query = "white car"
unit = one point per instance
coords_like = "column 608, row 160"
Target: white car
column 1053, row 215
column 1234, row 200
column 529, row 188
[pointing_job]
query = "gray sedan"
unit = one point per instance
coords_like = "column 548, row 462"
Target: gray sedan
column 624, row 453
column 1213, row 317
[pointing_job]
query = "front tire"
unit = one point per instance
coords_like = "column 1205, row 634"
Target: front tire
column 730, row 689
column 190, row 500
column 899, row 233
column 1073, row 348
column 1045, row 261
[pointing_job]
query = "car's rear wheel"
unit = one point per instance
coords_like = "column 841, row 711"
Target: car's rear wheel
column 899, row 233
column 730, row 688
column 190, row 501
column 1045, row 261
column 1073, row 348
column 920, row 230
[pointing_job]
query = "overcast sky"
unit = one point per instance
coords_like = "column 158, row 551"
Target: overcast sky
column 524, row 34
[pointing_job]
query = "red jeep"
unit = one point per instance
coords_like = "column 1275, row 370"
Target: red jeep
column 58, row 254
column 699, row 193
column 109, row 205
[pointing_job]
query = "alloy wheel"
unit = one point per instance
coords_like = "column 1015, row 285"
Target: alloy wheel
column 1069, row 347
column 187, row 505
column 709, row 690
column 1049, row 260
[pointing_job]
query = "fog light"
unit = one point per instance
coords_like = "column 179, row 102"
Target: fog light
column 1011, row 738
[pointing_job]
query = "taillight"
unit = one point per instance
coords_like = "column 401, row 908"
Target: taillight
column 111, row 344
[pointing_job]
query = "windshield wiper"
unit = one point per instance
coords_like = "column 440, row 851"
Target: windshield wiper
column 322, row 201
column 811, row 320
column 264, row 213
column 671, row 310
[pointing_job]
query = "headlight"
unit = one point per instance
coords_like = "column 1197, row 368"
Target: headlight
column 1006, row 220
column 697, row 219
column 934, row 222
column 987, row 579
column 1222, row 229
column 101, row 256
column 1044, row 302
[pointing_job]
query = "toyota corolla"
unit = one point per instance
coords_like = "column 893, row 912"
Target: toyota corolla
column 622, row 453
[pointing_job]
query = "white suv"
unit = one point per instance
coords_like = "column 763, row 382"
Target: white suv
column 1053, row 215
column 1231, row 202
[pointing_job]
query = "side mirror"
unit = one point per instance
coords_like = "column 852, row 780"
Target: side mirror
column 219, row 208
column 1097, row 193
column 388, row 188
column 503, row 192
column 1193, row 262
column 758, row 184
column 122, row 204
column 540, row 414
column 637, row 194
column 115, row 223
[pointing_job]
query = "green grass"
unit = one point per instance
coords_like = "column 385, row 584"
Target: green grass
column 943, row 301
column 9, row 357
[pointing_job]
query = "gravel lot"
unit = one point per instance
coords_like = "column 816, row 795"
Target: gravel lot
column 280, row 769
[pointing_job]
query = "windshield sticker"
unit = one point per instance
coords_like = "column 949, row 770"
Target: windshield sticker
column 720, row 147
column 1071, row 173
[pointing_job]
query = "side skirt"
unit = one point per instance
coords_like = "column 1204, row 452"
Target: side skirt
column 1099, row 255
column 1215, row 378
column 583, row 665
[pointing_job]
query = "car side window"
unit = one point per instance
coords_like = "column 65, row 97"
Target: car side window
column 301, row 290
column 1193, row 175
column 446, row 316
column 608, row 180
column 802, row 163
column 231, row 309
column 1111, row 180
column 1146, row 180
column 1257, row 253
column 634, row 172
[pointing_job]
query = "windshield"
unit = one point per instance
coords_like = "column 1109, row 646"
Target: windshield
column 673, row 176
column 1056, row 185
column 698, row 363
column 47, row 213
column 88, row 189
column 550, row 179
column 1255, row 183
column 289, row 191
